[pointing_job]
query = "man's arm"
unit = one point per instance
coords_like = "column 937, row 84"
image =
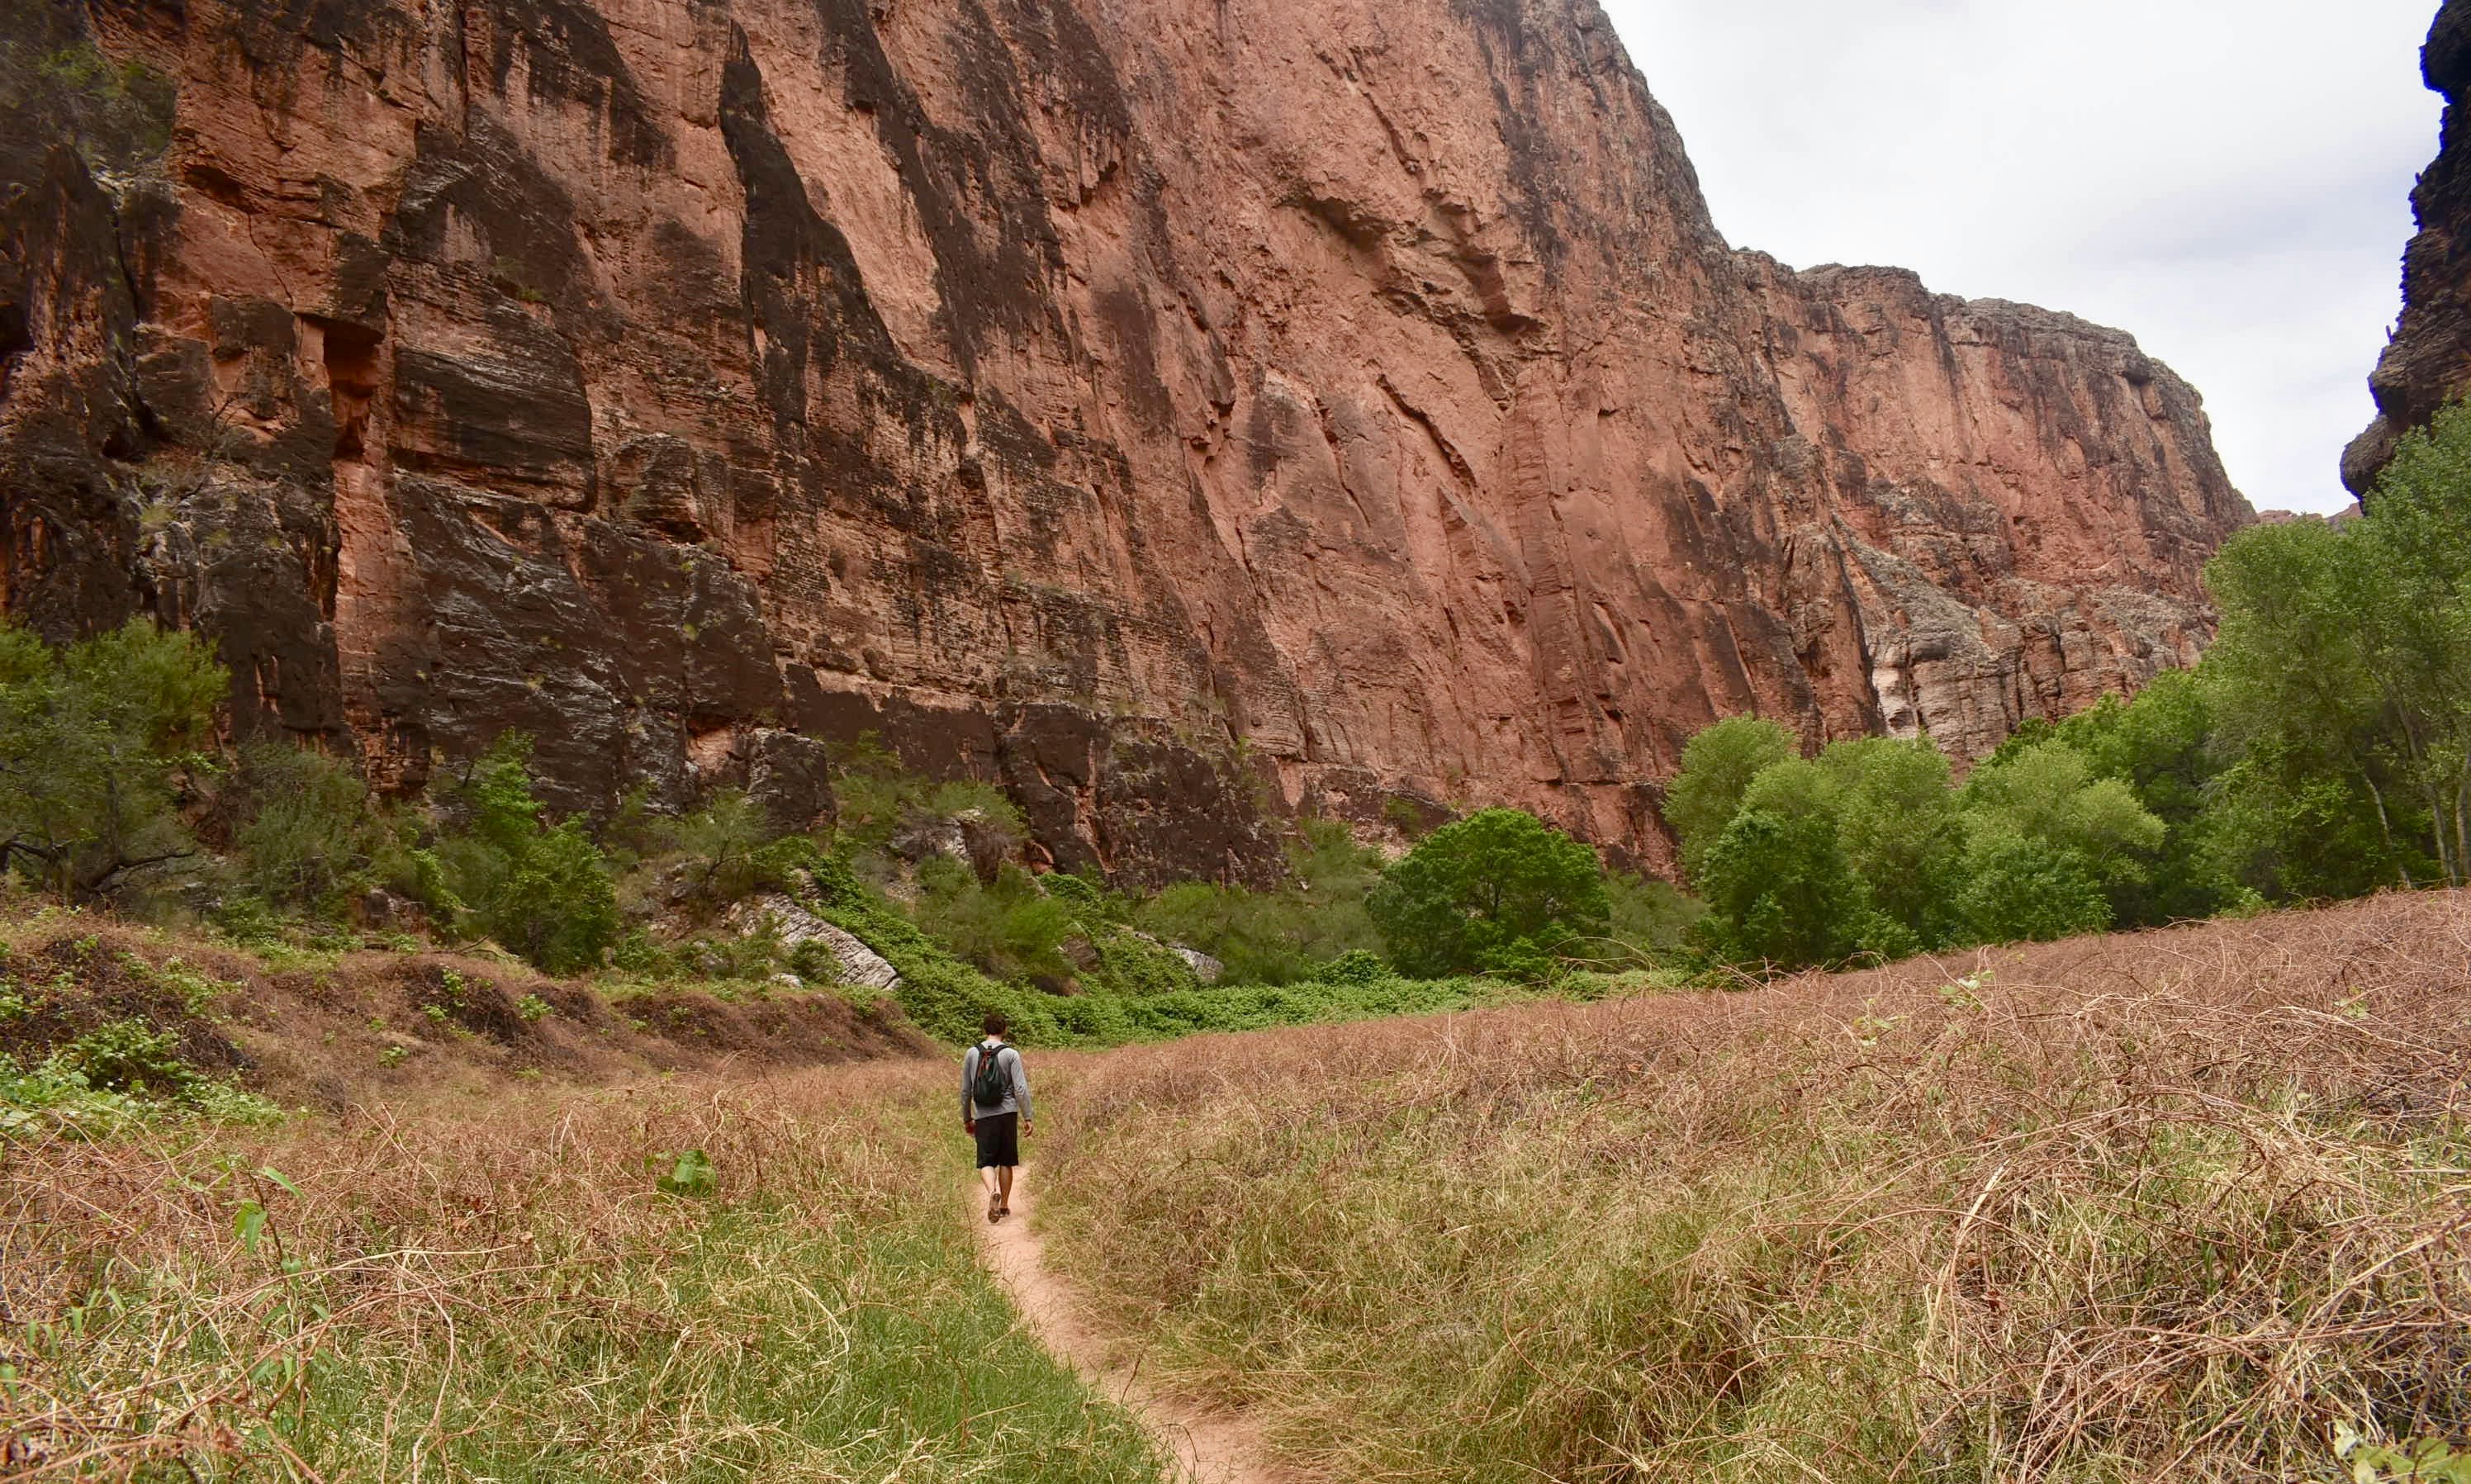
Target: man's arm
column 1020, row 1086
column 968, row 1064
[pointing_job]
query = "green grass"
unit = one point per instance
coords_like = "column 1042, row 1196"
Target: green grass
column 501, row 1293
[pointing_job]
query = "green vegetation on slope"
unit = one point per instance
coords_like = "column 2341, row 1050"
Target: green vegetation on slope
column 109, row 798
column 770, row 1279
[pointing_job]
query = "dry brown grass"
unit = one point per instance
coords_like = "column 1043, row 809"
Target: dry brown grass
column 492, row 1287
column 2156, row 1206
column 328, row 1031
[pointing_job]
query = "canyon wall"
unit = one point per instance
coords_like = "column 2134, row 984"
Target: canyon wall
column 2427, row 363
column 1186, row 411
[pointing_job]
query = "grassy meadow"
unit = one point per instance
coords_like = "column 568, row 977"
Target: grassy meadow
column 2173, row 1205
column 533, row 1286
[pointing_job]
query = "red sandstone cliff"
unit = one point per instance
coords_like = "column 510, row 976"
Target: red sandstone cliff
column 1170, row 407
column 2428, row 362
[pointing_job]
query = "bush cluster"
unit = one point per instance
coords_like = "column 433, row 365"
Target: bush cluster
column 2321, row 749
column 1872, row 849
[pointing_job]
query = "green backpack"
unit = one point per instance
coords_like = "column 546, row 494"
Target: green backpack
column 990, row 1086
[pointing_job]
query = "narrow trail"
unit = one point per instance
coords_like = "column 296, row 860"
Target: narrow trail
column 1209, row 1448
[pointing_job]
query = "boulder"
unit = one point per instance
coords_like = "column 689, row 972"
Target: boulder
column 860, row 965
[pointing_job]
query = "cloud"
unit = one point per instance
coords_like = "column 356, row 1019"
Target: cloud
column 2227, row 181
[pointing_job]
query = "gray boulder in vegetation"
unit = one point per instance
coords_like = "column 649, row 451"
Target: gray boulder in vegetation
column 1204, row 968
column 860, row 965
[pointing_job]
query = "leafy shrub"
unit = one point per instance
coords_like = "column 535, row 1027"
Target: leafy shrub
column 1649, row 920
column 1355, row 966
column 1008, row 927
column 1075, row 892
column 875, row 797
column 544, row 892
column 1131, row 963
column 1279, row 936
column 114, row 1078
column 723, row 844
column 130, row 1056
column 556, row 906
column 307, row 839
column 1479, row 885
column 97, row 742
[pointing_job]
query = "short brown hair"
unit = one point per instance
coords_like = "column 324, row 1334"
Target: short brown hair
column 994, row 1023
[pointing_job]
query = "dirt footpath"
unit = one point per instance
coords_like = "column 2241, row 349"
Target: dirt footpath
column 1209, row 1448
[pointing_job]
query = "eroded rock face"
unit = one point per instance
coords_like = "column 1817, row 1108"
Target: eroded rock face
column 2428, row 362
column 1175, row 410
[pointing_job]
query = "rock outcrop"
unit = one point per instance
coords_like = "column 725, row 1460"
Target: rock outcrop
column 1179, row 411
column 859, row 966
column 2428, row 362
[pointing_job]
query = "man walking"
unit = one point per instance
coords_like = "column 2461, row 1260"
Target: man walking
column 994, row 1110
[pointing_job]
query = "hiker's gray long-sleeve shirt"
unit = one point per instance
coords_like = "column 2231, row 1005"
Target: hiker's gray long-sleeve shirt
column 1015, row 1099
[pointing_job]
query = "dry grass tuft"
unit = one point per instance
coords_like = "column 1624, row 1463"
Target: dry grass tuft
column 497, row 1288
column 2165, row 1205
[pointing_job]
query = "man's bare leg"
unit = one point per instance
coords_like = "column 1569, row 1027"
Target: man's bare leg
column 991, row 1178
column 1003, row 1198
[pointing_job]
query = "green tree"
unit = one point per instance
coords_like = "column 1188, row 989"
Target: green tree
column 2019, row 888
column 1902, row 833
column 1716, row 767
column 1491, row 884
column 2408, row 579
column 2290, row 683
column 2041, row 820
column 2344, row 659
column 2162, row 745
column 1778, row 888
column 97, row 742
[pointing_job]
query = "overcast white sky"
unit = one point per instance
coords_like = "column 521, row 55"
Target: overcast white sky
column 2227, row 179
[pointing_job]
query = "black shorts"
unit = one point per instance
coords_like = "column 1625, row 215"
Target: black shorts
column 999, row 1140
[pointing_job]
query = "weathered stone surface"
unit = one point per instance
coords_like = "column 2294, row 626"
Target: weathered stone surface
column 786, row 778
column 968, row 836
column 1176, row 412
column 1204, row 968
column 2428, row 362
column 860, row 965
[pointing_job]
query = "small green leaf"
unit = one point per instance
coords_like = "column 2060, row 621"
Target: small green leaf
column 248, row 1224
column 692, row 1175
column 270, row 1172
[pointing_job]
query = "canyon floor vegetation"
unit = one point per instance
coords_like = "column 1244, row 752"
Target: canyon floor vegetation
column 2185, row 1203
column 756, row 1278
column 2182, row 1204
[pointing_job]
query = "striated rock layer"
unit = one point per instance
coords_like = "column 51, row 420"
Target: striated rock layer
column 1179, row 410
column 2428, row 362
